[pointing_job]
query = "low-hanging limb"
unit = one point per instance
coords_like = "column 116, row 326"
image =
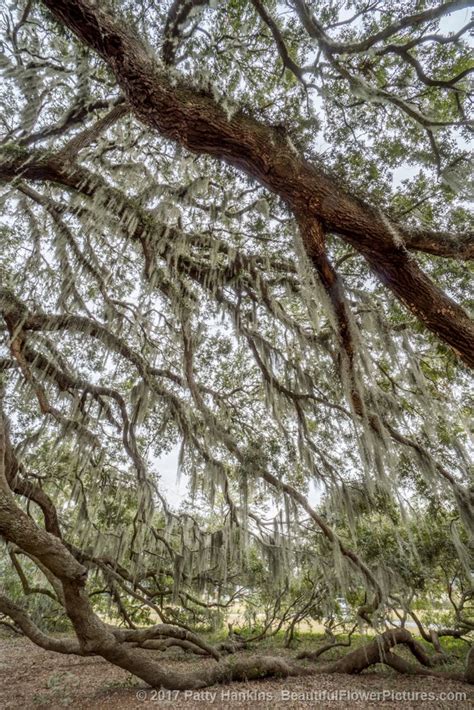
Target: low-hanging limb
column 29, row 629
column 95, row 637
column 243, row 669
column 334, row 643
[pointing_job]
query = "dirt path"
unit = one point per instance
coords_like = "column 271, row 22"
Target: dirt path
column 33, row 678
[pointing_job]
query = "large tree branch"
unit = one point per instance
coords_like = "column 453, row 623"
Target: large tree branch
column 445, row 244
column 193, row 118
column 60, row 168
column 407, row 21
column 17, row 527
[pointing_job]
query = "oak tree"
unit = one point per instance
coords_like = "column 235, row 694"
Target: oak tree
column 241, row 228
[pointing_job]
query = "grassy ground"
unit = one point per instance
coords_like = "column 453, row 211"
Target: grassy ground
column 31, row 677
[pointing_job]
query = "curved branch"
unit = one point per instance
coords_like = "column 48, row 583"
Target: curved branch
column 288, row 62
column 396, row 27
column 23, row 621
column 193, row 118
column 177, row 17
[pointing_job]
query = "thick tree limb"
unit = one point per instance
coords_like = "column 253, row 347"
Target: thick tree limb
column 168, row 631
column 441, row 244
column 193, row 118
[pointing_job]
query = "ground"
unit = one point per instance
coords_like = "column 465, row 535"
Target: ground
column 31, row 677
